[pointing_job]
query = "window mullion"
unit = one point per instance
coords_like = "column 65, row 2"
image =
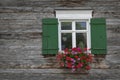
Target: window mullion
column 73, row 35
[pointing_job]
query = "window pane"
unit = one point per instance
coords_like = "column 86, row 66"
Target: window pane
column 66, row 39
column 66, row 25
column 81, row 40
column 80, row 25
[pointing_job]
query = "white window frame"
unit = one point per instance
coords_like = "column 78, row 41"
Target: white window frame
column 74, row 15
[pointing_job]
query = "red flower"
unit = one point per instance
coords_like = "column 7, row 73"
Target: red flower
column 69, row 65
column 83, row 58
column 87, row 67
column 79, row 50
column 90, row 57
column 73, row 49
column 88, row 60
column 79, row 65
column 66, row 50
column 76, row 57
column 68, row 58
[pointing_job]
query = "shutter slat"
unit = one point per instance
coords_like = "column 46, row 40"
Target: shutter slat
column 98, row 36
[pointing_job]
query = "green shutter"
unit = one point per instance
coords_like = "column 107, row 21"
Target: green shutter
column 98, row 36
column 49, row 36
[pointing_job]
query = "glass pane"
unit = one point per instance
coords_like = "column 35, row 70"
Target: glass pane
column 66, row 25
column 80, row 25
column 81, row 40
column 66, row 39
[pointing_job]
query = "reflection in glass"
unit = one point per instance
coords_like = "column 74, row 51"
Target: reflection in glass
column 66, row 25
column 66, row 39
column 81, row 40
column 80, row 25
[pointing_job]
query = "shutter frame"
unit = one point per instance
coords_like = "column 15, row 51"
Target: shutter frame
column 50, row 36
column 98, row 36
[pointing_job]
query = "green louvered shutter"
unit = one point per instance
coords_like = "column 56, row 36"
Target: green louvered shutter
column 98, row 36
column 50, row 36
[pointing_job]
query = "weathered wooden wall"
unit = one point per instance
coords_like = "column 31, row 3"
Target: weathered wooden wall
column 20, row 29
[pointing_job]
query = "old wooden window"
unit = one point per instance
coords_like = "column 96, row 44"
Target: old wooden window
column 74, row 28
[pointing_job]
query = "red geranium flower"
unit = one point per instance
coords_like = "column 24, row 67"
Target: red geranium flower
column 87, row 67
column 76, row 57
